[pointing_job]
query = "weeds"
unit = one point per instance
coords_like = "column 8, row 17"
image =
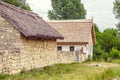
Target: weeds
column 74, row 71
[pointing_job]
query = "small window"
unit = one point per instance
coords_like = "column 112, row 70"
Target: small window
column 59, row 48
column 71, row 48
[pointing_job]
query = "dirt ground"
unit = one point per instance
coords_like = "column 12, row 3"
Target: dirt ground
column 104, row 64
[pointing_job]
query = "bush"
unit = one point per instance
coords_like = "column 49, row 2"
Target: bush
column 116, row 61
column 114, row 53
column 105, row 56
column 100, row 55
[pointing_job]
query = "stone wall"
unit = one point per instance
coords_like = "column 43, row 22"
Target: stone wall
column 10, row 48
column 10, row 63
column 18, row 53
column 65, row 57
column 70, row 57
column 38, row 53
column 35, row 54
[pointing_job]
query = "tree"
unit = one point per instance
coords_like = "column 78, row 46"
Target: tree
column 116, row 8
column 108, row 39
column 18, row 4
column 114, row 53
column 96, row 28
column 67, row 9
column 116, row 11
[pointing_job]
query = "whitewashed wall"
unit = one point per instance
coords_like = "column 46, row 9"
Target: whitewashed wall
column 77, row 47
column 88, row 49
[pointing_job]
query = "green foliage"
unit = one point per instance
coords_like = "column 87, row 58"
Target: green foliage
column 109, row 74
column 67, row 9
column 18, row 4
column 116, row 8
column 116, row 11
column 105, row 56
column 106, row 40
column 3, row 76
column 74, row 71
column 26, row 7
column 118, row 26
column 116, row 61
column 96, row 28
column 114, row 53
column 97, row 55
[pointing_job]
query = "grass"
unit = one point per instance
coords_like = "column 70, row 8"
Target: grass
column 109, row 74
column 116, row 61
column 74, row 71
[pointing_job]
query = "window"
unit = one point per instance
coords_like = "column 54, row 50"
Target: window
column 59, row 48
column 71, row 48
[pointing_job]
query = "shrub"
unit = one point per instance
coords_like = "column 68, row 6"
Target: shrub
column 105, row 56
column 114, row 53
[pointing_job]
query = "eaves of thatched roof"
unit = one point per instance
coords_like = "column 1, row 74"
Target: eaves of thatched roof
column 28, row 23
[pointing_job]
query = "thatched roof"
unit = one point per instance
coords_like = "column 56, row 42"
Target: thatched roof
column 28, row 23
column 74, row 31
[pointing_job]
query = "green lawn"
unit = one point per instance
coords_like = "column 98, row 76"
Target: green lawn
column 74, row 71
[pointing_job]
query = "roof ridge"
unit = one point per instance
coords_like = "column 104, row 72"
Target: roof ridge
column 76, row 20
column 20, row 10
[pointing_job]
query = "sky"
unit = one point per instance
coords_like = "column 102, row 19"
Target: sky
column 100, row 10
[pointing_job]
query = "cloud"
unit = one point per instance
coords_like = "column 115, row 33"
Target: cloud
column 40, row 7
column 101, row 10
column 38, row 4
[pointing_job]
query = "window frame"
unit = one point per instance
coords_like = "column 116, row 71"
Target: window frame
column 71, row 48
column 59, row 48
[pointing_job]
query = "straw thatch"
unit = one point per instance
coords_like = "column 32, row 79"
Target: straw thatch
column 74, row 31
column 28, row 23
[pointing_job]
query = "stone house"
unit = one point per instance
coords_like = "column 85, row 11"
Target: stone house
column 26, row 41
column 79, row 36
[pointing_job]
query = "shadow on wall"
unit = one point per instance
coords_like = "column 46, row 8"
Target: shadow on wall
column 70, row 57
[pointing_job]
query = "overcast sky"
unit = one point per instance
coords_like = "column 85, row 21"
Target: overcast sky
column 100, row 10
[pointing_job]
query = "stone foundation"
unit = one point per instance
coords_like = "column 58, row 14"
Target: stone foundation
column 65, row 57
